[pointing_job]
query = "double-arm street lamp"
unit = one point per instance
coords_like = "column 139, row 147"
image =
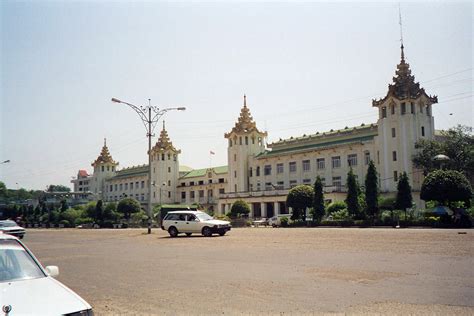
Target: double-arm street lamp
column 6, row 161
column 149, row 115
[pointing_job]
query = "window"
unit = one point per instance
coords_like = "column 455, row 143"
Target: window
column 191, row 183
column 250, row 172
column 336, row 181
column 367, row 157
column 395, row 176
column 320, row 163
column 115, row 186
column 267, row 170
column 422, row 131
column 121, row 186
column 293, row 166
column 306, row 165
column 111, row 188
column 230, row 142
column 210, row 180
column 240, row 140
column 169, row 183
column 174, row 157
column 293, row 183
column 142, row 197
column 183, row 184
column 268, row 186
column 126, row 186
column 412, row 108
column 336, row 162
column 191, row 194
column 169, row 156
column 102, row 168
column 201, row 193
column 143, row 184
column 352, row 160
column 279, row 168
column 253, row 140
column 169, row 169
column 393, row 132
column 183, row 195
column 404, row 108
column 258, row 172
column 306, row 181
column 421, row 107
column 201, row 182
column 221, row 191
column 136, row 185
column 162, row 156
column 131, row 185
column 246, row 140
column 280, row 185
column 394, row 155
column 108, row 168
column 392, row 109
column 384, row 112
column 378, row 157
column 235, row 173
column 169, row 194
column 428, row 110
column 235, row 157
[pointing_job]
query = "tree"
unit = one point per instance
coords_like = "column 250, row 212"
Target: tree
column 3, row 190
column 457, row 143
column 239, row 207
column 372, row 190
column 58, row 188
column 318, row 201
column 352, row 200
column 64, row 206
column 128, row 206
column 336, row 206
column 99, row 211
column 299, row 199
column 404, row 198
column 446, row 187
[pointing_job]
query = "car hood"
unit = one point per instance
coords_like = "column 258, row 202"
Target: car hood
column 10, row 228
column 217, row 222
column 41, row 296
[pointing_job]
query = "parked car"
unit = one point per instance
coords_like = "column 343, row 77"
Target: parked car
column 275, row 221
column 29, row 289
column 12, row 228
column 190, row 222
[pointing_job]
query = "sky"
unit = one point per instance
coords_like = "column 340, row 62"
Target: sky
column 304, row 66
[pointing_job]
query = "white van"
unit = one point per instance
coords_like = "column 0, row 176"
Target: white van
column 275, row 221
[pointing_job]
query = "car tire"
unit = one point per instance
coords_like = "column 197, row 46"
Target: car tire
column 189, row 234
column 206, row 232
column 222, row 232
column 173, row 231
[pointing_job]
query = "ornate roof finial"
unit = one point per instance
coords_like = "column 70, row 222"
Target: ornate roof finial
column 105, row 142
column 104, row 156
column 245, row 100
column 163, row 124
column 245, row 122
column 401, row 31
column 164, row 142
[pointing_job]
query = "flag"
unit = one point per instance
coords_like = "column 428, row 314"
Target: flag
column 212, row 153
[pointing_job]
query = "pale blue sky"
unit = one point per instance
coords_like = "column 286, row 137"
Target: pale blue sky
column 305, row 67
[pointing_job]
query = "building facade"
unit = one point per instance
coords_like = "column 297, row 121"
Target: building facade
column 263, row 174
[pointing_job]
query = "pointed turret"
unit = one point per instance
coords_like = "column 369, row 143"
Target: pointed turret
column 164, row 143
column 245, row 123
column 104, row 156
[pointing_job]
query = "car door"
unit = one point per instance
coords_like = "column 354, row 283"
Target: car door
column 193, row 223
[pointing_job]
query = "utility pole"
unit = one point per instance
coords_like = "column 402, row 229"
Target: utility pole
column 149, row 120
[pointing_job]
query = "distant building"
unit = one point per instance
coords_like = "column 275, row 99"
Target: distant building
column 263, row 174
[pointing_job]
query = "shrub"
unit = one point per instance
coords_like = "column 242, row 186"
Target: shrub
column 446, row 186
column 336, row 206
column 84, row 220
column 65, row 222
column 239, row 208
column 341, row 215
column 299, row 199
column 284, row 222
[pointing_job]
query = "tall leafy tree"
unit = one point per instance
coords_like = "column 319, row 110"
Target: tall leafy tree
column 352, row 198
column 372, row 190
column 318, row 201
column 128, row 206
column 299, row 199
column 446, row 187
column 457, row 143
column 99, row 211
column 240, row 207
column 404, row 198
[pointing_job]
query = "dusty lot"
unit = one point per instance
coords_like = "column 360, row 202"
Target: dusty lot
column 265, row 271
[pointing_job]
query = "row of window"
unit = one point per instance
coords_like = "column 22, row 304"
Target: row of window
column 306, row 165
column 245, row 139
column 124, row 186
column 192, row 194
column 108, row 168
column 280, row 185
column 394, row 134
column 137, row 197
column 201, row 182
column 403, row 109
column 156, row 157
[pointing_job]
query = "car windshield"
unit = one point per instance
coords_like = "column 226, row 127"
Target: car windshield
column 8, row 224
column 16, row 263
column 204, row 217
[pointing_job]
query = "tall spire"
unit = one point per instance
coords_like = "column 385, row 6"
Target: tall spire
column 401, row 32
column 164, row 142
column 245, row 122
column 104, row 156
column 245, row 100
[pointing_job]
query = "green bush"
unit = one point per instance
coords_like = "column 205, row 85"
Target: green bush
column 342, row 214
column 284, row 222
column 65, row 222
column 223, row 217
column 335, row 206
column 239, row 208
column 83, row 220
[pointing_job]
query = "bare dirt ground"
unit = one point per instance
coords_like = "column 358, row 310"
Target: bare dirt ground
column 265, row 271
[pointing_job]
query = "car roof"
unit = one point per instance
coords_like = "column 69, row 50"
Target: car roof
column 186, row 212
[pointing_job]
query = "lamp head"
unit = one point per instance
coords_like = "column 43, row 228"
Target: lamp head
column 181, row 108
column 116, row 100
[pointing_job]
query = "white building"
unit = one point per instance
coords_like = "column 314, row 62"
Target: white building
column 262, row 175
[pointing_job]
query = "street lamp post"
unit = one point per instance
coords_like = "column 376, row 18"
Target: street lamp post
column 6, row 161
column 150, row 115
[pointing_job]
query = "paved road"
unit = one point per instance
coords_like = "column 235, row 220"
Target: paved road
column 265, row 270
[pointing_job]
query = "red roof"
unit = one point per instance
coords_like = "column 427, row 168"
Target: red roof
column 82, row 174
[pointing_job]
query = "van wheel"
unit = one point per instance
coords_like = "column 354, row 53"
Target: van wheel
column 222, row 232
column 173, row 231
column 189, row 234
column 206, row 231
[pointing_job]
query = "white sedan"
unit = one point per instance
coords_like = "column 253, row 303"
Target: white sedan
column 190, row 222
column 12, row 228
column 28, row 289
